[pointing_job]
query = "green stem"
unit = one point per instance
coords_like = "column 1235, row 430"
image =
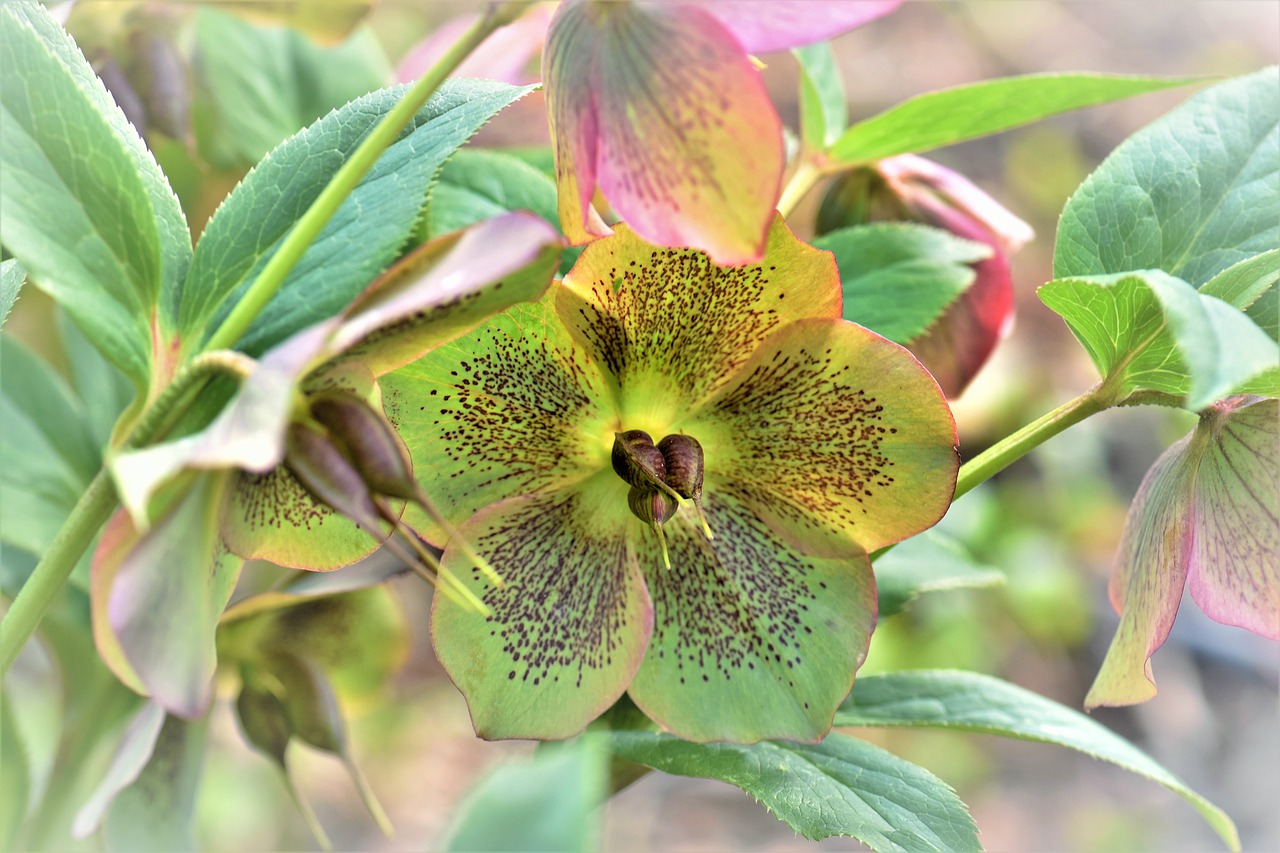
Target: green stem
column 805, row 178
column 306, row 229
column 1010, row 449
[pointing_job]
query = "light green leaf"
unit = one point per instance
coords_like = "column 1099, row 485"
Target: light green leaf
column 365, row 235
column 930, row 562
column 823, row 111
column 967, row 701
column 898, row 278
column 1266, row 313
column 945, row 117
column 478, row 184
column 268, row 82
column 15, row 774
column 1243, row 284
column 132, row 754
column 104, row 392
column 1149, row 330
column 155, row 812
column 548, row 803
column 841, row 786
column 12, row 276
column 1191, row 194
column 85, row 208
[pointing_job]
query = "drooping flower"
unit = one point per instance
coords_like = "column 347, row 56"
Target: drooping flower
column 1207, row 518
column 649, row 391
column 908, row 187
column 659, row 105
column 299, row 468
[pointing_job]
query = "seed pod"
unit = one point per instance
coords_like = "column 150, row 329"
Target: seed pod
column 655, row 509
column 375, row 449
column 636, row 460
column 684, row 461
column 324, row 471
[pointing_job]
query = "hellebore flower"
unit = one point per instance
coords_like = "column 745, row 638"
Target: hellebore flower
column 650, row 390
column 1207, row 517
column 660, row 106
column 196, row 507
column 504, row 55
column 908, row 187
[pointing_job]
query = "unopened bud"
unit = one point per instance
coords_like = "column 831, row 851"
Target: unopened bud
column 374, row 447
column 324, row 471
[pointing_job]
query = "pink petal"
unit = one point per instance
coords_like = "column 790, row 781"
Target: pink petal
column 504, row 56
column 763, row 26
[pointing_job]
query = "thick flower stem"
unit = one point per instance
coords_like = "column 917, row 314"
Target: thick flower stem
column 305, row 231
column 805, row 178
column 1012, row 448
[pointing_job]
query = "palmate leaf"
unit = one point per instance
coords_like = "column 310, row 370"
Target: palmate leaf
column 841, row 786
column 970, row 702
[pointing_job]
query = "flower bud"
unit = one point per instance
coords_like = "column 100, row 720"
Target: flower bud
column 324, row 470
column 655, row 509
column 374, row 448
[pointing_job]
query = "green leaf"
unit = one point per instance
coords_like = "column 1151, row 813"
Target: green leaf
column 966, row 701
column 1241, row 285
column 930, row 562
column 268, row 82
column 85, row 207
column 12, row 276
column 1150, row 330
column 823, row 112
column 156, row 811
column 104, row 392
column 1191, row 194
column 478, row 184
column 131, row 756
column 945, row 117
column 548, row 803
column 1266, row 313
column 15, row 775
column 898, row 278
column 841, row 786
column 364, row 236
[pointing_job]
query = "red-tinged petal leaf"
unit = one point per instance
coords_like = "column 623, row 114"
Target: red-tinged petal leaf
column 507, row 410
column 1207, row 512
column 669, row 327
column 833, row 435
column 661, row 107
column 505, row 55
column 1235, row 573
column 763, row 26
column 751, row 640
column 569, row 626
column 157, row 598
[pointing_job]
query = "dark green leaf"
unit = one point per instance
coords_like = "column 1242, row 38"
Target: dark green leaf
column 364, row 236
column 823, row 111
column 85, row 208
column 841, row 786
column 935, row 119
column 929, row 562
column 269, row 82
column 1191, row 194
column 1266, row 313
column 156, row 811
column 967, row 701
column 548, row 803
column 12, row 276
column 1150, row 330
column 898, row 278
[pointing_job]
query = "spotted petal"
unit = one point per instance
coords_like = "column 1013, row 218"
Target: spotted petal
column 660, row 105
column 1207, row 514
column 669, row 327
column 835, row 436
column 751, row 640
column 570, row 624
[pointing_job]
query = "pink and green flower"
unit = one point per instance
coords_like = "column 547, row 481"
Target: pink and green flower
column 679, row 470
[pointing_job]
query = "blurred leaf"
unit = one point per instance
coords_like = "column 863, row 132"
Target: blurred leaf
column 12, row 276
column 15, row 775
column 1191, row 194
column 841, row 786
column 478, row 184
column 823, row 112
column 364, row 236
column 36, row 389
column 1243, row 284
column 550, row 802
column 326, row 22
column 131, row 756
column 929, row 562
column 967, row 701
column 1150, row 330
column 269, row 82
column 85, row 208
column 898, row 278
column 1266, row 313
column 155, row 812
column 103, row 390
column 945, row 117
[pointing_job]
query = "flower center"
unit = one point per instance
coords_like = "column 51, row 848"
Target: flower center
column 660, row 476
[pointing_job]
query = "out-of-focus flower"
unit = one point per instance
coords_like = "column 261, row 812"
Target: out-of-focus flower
column 660, row 106
column 908, row 187
column 679, row 470
column 505, row 55
column 1207, row 517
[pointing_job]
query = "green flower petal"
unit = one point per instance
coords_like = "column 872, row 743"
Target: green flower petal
column 511, row 409
column 751, row 640
column 670, row 328
column 837, row 438
column 570, row 624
